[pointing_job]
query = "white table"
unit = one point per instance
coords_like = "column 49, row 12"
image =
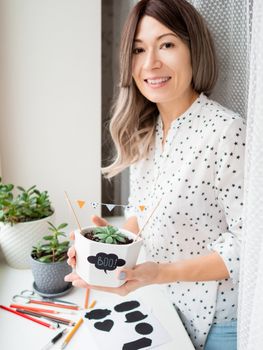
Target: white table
column 21, row 334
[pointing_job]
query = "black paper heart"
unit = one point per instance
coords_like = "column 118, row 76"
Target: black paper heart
column 105, row 326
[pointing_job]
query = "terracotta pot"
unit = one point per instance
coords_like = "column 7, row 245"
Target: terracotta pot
column 96, row 262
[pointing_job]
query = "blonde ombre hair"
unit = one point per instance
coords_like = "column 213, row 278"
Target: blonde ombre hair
column 133, row 123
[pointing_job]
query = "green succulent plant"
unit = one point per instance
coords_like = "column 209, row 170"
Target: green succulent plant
column 30, row 204
column 53, row 250
column 109, row 234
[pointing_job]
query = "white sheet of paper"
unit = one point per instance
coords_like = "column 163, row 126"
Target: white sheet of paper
column 122, row 331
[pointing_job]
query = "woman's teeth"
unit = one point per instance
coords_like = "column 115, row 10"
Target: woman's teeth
column 157, row 81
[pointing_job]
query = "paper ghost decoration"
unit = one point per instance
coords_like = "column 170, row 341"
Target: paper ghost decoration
column 97, row 314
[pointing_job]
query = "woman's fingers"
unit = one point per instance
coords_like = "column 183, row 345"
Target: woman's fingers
column 76, row 280
column 71, row 262
column 98, row 221
column 71, row 257
column 123, row 290
column 71, row 252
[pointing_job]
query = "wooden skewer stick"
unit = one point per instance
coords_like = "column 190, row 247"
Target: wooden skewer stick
column 157, row 205
column 71, row 207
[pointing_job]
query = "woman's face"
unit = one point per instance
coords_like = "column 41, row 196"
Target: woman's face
column 161, row 64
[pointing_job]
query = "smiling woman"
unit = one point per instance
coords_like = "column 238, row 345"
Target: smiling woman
column 185, row 152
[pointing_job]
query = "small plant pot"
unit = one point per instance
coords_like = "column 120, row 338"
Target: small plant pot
column 16, row 241
column 49, row 277
column 96, row 262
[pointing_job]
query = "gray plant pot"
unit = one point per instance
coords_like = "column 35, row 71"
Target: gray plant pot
column 49, row 277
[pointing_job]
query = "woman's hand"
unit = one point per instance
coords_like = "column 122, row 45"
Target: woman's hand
column 141, row 275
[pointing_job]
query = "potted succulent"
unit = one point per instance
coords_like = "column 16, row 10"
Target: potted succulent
column 101, row 250
column 49, row 263
column 23, row 221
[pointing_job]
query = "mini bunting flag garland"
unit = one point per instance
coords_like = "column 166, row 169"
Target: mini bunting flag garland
column 110, row 206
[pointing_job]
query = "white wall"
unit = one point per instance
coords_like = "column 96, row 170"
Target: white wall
column 51, row 99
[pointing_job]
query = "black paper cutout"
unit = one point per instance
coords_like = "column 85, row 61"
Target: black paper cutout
column 138, row 344
column 127, row 306
column 135, row 316
column 105, row 326
column 97, row 314
column 144, row 328
column 106, row 262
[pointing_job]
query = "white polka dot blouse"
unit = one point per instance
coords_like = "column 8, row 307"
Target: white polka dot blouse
column 199, row 174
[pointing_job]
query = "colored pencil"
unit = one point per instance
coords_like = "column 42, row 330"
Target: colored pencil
column 36, row 309
column 86, row 298
column 27, row 317
column 92, row 304
column 48, row 317
column 48, row 303
column 71, row 333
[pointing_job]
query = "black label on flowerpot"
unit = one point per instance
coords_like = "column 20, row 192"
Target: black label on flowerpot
column 106, row 262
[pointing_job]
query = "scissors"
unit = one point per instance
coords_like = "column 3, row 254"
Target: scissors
column 31, row 295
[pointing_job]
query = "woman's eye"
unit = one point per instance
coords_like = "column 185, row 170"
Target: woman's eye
column 137, row 50
column 167, row 45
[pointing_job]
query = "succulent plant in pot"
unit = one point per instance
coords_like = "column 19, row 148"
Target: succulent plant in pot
column 23, row 220
column 49, row 262
column 101, row 250
column 108, row 234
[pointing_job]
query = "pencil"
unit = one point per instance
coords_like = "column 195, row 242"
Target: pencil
column 36, row 309
column 71, row 333
column 49, row 303
column 47, row 317
column 92, row 304
column 27, row 317
column 86, row 299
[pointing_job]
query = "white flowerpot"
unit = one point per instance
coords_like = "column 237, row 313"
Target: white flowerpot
column 16, row 241
column 96, row 262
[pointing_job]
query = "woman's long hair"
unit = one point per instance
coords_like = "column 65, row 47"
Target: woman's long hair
column 133, row 122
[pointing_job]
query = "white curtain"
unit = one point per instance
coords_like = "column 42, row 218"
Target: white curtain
column 251, row 291
column 237, row 27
